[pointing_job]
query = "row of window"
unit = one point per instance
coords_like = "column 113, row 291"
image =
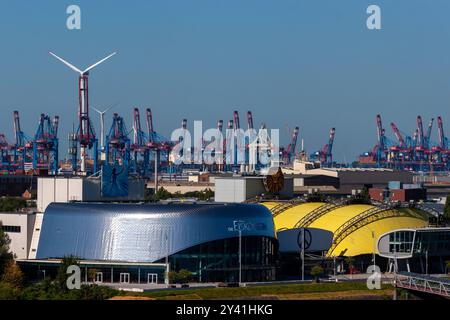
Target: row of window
column 402, row 241
column 219, row 260
column 15, row 229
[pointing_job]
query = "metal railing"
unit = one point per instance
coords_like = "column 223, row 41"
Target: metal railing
column 423, row 283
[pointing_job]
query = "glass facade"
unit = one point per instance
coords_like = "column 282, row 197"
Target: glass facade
column 435, row 242
column 401, row 241
column 218, row 261
column 430, row 242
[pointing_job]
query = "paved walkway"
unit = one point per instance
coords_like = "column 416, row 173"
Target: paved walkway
column 385, row 278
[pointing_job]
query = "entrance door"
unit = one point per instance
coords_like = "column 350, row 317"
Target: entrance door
column 152, row 278
column 99, row 277
column 124, row 278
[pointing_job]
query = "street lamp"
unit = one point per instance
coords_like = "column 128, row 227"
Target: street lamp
column 303, row 244
column 166, row 280
column 237, row 226
column 302, row 252
column 240, row 256
column 374, row 249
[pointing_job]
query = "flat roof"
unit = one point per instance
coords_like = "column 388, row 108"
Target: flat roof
column 94, row 262
column 434, row 229
column 360, row 169
column 19, row 212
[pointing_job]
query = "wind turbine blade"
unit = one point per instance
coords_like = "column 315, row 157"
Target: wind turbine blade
column 97, row 110
column 109, row 108
column 71, row 66
column 97, row 63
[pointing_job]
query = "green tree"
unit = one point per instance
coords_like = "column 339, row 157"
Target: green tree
column 173, row 277
column 447, row 208
column 206, row 194
column 13, row 275
column 92, row 273
column 316, row 271
column 161, row 194
column 11, row 204
column 365, row 196
column 182, row 276
column 61, row 276
column 5, row 255
column 8, row 292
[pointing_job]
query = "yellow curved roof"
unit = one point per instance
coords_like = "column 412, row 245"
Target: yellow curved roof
column 288, row 218
column 356, row 243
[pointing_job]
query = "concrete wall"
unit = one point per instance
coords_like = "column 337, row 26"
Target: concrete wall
column 60, row 189
column 20, row 241
column 229, row 190
column 239, row 189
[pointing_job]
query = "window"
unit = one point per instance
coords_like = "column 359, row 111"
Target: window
column 15, row 229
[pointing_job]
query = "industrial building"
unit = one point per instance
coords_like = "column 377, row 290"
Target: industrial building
column 242, row 188
column 402, row 195
column 81, row 189
column 202, row 238
column 343, row 181
column 19, row 227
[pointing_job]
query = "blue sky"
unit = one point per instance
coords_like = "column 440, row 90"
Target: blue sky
column 306, row 63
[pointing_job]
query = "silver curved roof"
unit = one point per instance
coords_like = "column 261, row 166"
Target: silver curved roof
column 143, row 232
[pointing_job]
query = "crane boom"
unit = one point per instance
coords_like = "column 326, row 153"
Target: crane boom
column 330, row 142
column 250, row 120
column 236, row 120
column 18, row 136
column 441, row 133
column 379, row 130
column 420, row 141
column 149, row 122
column 428, row 134
column 55, row 125
column 220, row 125
column 398, row 135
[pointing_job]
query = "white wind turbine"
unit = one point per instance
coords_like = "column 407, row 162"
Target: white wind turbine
column 86, row 136
column 102, row 125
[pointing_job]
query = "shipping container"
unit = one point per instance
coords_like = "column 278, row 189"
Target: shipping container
column 406, row 195
column 377, row 194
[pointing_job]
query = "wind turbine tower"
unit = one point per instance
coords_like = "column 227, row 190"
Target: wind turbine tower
column 86, row 135
column 102, row 126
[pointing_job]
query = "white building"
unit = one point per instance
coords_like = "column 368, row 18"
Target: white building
column 61, row 189
column 241, row 188
column 19, row 227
